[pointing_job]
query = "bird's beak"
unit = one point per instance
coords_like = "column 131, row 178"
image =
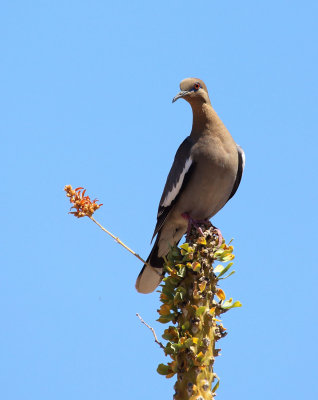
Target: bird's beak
column 179, row 95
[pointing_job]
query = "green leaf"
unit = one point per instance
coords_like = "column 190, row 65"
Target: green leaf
column 236, row 304
column 200, row 357
column 170, row 283
column 178, row 298
column 168, row 349
column 227, row 305
column 231, row 273
column 181, row 289
column 215, row 387
column 185, row 246
column 224, row 255
column 188, row 343
column 176, row 347
column 219, row 253
column 186, row 325
column 169, row 292
column 174, row 281
column 225, row 269
column 175, row 251
column 180, row 294
column 163, row 369
column 200, row 310
column 171, row 334
column 228, row 257
column 172, row 348
column 196, row 266
column 165, row 318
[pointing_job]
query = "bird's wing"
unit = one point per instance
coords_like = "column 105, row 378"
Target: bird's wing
column 181, row 170
column 240, row 169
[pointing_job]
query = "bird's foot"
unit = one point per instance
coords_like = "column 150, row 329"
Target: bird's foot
column 196, row 223
column 220, row 236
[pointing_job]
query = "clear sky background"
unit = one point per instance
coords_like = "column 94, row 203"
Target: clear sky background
column 86, row 90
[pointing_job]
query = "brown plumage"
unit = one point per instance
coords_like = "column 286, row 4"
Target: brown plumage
column 206, row 173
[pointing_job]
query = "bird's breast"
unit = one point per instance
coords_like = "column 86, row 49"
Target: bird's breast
column 216, row 165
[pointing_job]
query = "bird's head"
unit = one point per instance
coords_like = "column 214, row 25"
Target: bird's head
column 193, row 90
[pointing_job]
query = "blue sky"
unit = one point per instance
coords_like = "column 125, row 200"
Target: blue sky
column 86, row 90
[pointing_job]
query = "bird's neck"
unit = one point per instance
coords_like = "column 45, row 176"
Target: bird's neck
column 205, row 119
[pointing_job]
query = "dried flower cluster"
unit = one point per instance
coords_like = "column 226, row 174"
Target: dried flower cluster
column 83, row 205
column 192, row 301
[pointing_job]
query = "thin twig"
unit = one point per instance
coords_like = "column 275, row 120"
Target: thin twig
column 152, row 330
column 123, row 244
column 118, row 240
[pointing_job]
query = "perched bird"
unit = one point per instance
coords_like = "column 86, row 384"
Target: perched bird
column 205, row 174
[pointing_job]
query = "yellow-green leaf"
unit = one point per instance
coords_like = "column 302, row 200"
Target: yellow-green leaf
column 225, row 269
column 200, row 310
column 228, row 257
column 216, row 386
column 163, row 369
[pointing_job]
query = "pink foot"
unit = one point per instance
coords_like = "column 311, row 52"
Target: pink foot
column 196, row 223
column 220, row 236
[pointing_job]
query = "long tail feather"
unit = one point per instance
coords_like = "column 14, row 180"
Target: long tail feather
column 151, row 274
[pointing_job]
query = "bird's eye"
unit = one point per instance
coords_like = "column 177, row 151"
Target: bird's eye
column 196, row 86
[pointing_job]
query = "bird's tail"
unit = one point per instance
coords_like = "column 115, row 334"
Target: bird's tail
column 151, row 274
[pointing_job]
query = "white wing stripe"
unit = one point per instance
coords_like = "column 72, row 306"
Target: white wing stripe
column 241, row 151
column 243, row 160
column 176, row 189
